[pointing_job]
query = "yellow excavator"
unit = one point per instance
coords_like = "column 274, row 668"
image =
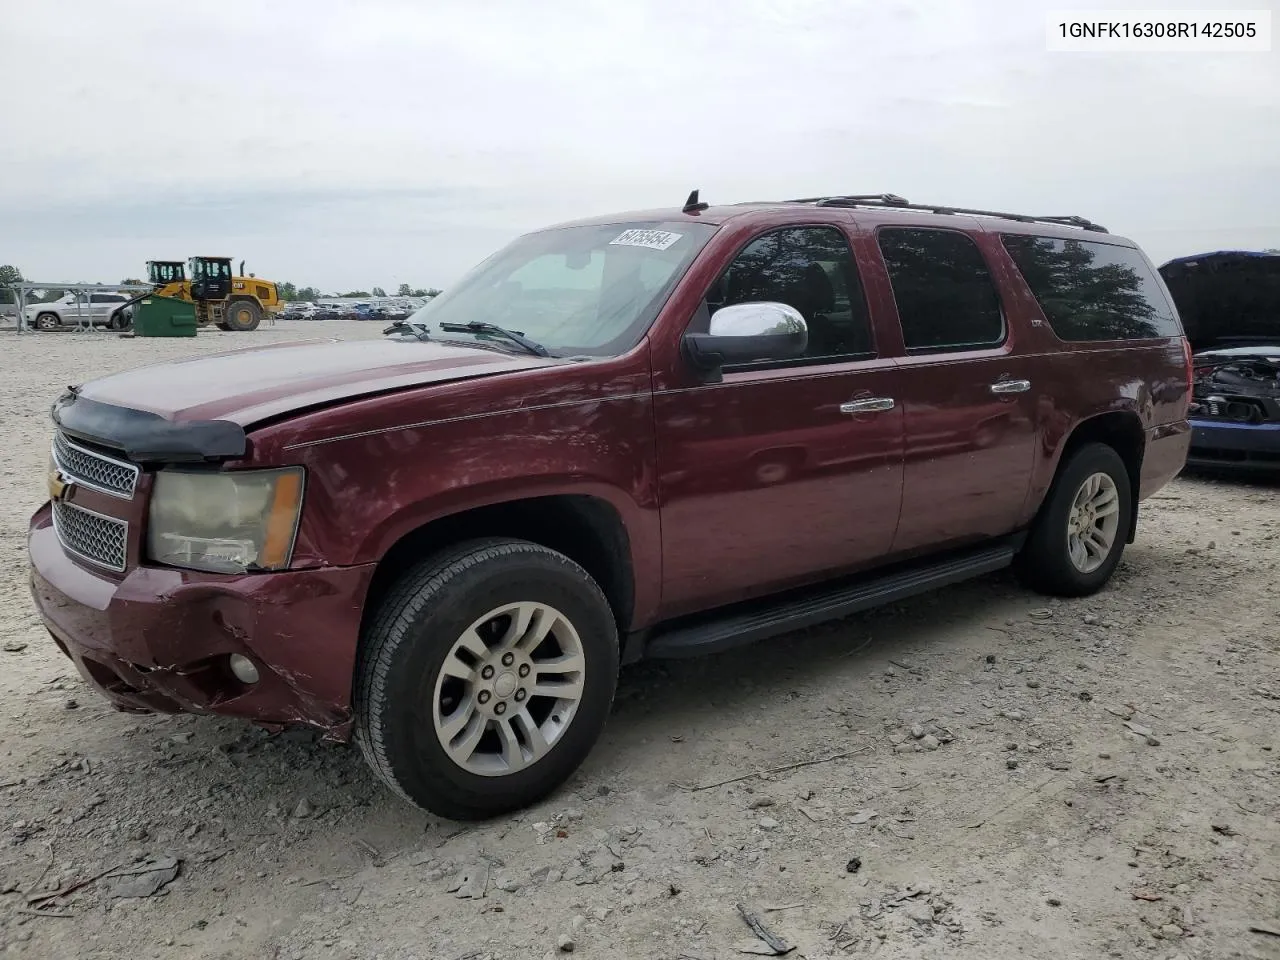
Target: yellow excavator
column 228, row 302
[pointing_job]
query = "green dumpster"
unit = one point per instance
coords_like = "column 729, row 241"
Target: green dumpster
column 156, row 316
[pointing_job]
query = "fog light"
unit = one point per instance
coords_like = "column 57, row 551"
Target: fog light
column 243, row 668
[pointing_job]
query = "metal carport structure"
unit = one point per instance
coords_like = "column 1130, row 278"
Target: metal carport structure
column 85, row 319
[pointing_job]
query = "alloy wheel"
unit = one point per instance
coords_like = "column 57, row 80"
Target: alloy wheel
column 509, row 689
column 1093, row 522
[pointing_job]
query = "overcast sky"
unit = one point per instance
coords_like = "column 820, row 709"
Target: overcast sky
column 345, row 144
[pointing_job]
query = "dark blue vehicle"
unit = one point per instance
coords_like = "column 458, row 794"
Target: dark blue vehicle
column 1229, row 302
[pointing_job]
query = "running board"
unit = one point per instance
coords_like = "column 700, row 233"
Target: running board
column 713, row 634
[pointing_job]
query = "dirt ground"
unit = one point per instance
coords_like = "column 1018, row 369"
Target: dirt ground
column 982, row 773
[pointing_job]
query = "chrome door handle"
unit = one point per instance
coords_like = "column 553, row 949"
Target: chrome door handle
column 874, row 405
column 1011, row 386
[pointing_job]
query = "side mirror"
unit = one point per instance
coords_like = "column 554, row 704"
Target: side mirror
column 748, row 333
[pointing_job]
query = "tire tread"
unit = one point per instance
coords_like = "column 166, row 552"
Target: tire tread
column 417, row 588
column 1039, row 565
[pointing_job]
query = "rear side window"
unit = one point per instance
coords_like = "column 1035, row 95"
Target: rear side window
column 1093, row 291
column 945, row 295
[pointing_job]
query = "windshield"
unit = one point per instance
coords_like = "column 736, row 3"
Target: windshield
column 590, row 290
column 210, row 269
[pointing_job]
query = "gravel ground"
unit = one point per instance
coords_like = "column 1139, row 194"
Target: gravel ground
column 982, row 773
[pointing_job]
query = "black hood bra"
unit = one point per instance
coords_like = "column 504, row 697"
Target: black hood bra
column 146, row 437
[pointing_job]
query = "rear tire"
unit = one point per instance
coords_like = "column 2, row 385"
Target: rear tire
column 241, row 316
column 1076, row 541
column 485, row 677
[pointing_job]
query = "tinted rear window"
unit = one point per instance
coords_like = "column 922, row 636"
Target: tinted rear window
column 1093, row 291
column 944, row 292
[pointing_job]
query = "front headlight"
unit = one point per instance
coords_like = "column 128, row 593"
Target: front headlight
column 225, row 522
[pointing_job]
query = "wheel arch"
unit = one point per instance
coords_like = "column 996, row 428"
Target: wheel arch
column 1122, row 430
column 586, row 528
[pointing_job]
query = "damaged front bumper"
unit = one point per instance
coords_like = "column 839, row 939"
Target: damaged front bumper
column 161, row 640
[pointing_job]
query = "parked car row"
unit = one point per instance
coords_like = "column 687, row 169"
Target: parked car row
column 384, row 311
column 305, row 310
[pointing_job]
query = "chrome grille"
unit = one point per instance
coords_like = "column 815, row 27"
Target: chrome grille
column 91, row 536
column 90, row 469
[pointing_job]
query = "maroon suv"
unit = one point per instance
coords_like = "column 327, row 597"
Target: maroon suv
column 652, row 434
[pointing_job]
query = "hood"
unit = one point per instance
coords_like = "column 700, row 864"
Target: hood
column 1226, row 298
column 251, row 385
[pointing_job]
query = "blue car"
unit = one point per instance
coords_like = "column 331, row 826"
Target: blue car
column 1235, row 408
column 1230, row 307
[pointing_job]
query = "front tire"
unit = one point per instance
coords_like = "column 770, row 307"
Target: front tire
column 485, row 678
column 48, row 321
column 1076, row 542
column 241, row 316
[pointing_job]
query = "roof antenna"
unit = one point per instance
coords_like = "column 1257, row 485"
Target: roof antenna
column 692, row 205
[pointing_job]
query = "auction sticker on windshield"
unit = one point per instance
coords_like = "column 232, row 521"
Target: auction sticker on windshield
column 653, row 239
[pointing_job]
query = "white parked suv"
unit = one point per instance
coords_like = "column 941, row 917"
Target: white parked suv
column 100, row 309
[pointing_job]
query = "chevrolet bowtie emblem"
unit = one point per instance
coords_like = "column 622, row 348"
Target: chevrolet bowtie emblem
column 58, row 485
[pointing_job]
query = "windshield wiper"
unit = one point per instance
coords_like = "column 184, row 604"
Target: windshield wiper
column 515, row 336
column 407, row 328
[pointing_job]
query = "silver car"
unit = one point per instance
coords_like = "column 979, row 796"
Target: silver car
column 99, row 309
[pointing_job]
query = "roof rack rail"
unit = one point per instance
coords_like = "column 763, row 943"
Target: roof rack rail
column 886, row 199
column 893, row 201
